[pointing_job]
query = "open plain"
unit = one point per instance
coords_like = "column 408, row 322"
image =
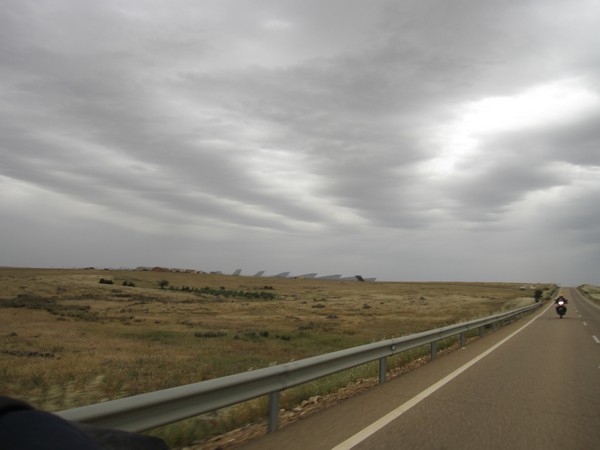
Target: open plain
column 72, row 337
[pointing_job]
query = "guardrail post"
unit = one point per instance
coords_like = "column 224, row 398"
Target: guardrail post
column 462, row 340
column 382, row 369
column 273, row 411
column 481, row 332
column 433, row 350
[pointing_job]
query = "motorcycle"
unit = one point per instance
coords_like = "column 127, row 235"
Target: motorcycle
column 561, row 309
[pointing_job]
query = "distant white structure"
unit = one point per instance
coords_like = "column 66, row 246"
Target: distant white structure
column 281, row 275
column 337, row 276
column 260, row 273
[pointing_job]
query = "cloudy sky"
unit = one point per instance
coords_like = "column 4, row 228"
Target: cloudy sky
column 404, row 140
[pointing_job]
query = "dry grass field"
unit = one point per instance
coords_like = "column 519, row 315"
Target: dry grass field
column 68, row 340
column 592, row 292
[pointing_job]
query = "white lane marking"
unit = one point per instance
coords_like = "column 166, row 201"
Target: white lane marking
column 596, row 339
column 393, row 415
column 585, row 324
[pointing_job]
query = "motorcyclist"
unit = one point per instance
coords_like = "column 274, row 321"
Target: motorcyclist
column 560, row 297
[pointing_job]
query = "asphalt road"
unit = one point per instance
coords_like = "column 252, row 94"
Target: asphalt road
column 534, row 384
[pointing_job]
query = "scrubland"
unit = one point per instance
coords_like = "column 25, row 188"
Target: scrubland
column 592, row 292
column 67, row 339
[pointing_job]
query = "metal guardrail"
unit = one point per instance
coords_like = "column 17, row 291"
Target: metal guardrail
column 145, row 411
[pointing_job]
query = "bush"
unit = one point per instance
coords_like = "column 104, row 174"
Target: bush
column 251, row 335
column 210, row 334
column 106, row 281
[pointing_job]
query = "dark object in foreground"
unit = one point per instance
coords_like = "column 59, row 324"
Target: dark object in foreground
column 22, row 428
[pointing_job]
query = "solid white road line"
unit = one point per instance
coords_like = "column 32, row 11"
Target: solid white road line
column 393, row 415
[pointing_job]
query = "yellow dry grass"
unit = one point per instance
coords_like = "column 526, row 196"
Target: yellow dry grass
column 592, row 292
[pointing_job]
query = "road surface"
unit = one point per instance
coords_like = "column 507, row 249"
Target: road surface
column 534, row 384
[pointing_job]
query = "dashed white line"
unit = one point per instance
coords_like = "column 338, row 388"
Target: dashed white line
column 585, row 324
column 596, row 339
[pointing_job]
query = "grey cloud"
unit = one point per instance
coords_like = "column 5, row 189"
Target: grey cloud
column 510, row 170
column 576, row 143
